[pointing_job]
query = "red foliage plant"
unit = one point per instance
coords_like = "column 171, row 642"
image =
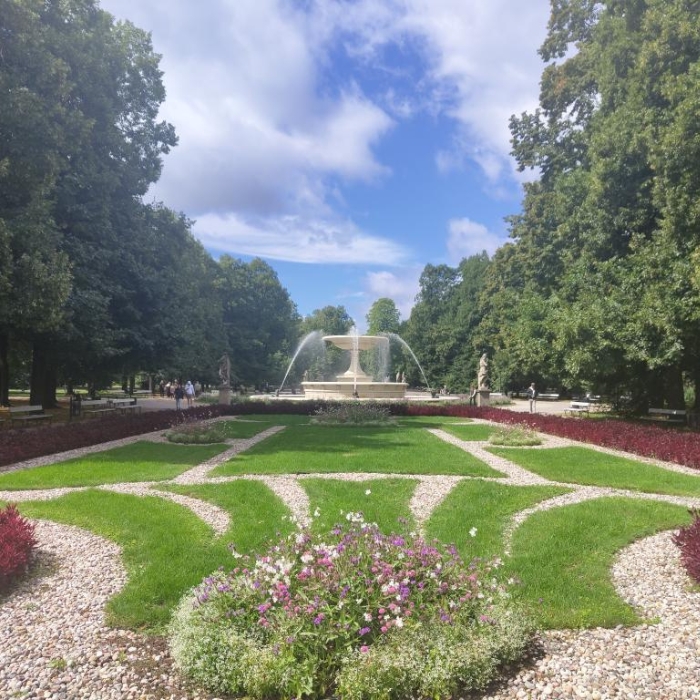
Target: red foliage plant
column 688, row 541
column 16, row 544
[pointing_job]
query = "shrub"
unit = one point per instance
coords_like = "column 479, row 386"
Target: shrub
column 17, row 542
column 514, row 436
column 353, row 413
column 688, row 541
column 197, row 433
column 349, row 613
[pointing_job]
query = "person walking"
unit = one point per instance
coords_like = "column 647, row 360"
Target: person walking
column 532, row 397
column 189, row 393
column 179, row 394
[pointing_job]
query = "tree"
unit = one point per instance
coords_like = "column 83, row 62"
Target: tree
column 601, row 256
column 260, row 320
column 323, row 362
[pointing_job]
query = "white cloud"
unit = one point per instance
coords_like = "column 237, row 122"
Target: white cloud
column 466, row 238
column 295, row 239
column 402, row 287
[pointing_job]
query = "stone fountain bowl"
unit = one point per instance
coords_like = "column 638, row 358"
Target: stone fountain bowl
column 361, row 342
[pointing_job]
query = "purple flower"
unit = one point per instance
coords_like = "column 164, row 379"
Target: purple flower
column 363, row 631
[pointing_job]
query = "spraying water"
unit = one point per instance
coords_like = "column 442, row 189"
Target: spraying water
column 393, row 336
column 311, row 338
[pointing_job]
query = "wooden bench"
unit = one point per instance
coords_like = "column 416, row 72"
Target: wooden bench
column 578, row 407
column 548, row 397
column 96, row 407
column 25, row 414
column 126, row 405
column 667, row 414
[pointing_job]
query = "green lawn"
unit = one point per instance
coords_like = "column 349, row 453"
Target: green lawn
column 386, row 503
column 395, row 449
column 580, row 465
column 476, row 432
column 564, row 556
column 142, row 461
column 487, row 506
column 166, row 548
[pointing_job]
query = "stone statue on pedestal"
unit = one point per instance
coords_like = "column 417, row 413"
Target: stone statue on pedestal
column 483, row 376
column 225, row 370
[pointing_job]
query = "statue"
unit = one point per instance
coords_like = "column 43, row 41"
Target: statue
column 483, row 376
column 225, row 370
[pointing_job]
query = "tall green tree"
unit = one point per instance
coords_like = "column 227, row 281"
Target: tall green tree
column 601, row 263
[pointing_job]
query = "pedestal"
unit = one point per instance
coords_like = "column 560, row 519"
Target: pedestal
column 483, row 397
column 225, row 395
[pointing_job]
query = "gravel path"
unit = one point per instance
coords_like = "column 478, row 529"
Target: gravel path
column 54, row 642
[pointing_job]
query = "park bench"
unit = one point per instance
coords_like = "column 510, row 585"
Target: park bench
column 578, row 407
column 126, row 406
column 25, row 414
column 667, row 414
column 548, row 397
column 96, row 407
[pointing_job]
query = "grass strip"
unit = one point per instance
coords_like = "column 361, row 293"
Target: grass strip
column 564, row 557
column 140, row 461
column 475, row 432
column 328, row 449
column 386, row 504
column 487, row 506
column 580, row 465
column 166, row 548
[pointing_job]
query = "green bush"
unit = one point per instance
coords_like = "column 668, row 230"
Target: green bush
column 196, row 433
column 514, row 436
column 353, row 413
column 349, row 613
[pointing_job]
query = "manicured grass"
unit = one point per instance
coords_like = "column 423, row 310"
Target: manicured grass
column 564, row 557
column 141, row 461
column 580, row 465
column 473, row 432
column 166, row 548
column 487, row 506
column 327, row 449
column 275, row 419
column 251, row 528
column 387, row 504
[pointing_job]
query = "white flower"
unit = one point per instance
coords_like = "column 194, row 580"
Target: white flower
column 472, row 532
column 368, row 617
column 317, row 513
column 398, row 622
column 367, row 492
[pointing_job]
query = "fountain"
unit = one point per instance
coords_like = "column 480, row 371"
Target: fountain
column 355, row 382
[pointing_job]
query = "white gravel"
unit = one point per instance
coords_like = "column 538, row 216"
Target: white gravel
column 54, row 642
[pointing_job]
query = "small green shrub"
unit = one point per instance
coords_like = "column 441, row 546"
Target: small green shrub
column 353, row 413
column 514, row 436
column 349, row 613
column 196, row 433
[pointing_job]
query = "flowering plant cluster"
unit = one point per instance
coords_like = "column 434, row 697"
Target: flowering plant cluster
column 353, row 413
column 197, row 432
column 316, row 614
column 17, row 542
column 687, row 539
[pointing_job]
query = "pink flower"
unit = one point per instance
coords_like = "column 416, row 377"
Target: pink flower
column 364, row 649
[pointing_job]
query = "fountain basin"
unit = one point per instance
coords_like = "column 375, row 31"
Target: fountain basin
column 347, row 388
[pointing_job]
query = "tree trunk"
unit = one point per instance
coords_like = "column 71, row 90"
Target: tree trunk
column 42, row 386
column 4, row 370
column 673, row 388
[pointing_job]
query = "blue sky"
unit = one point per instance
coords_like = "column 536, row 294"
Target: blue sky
column 346, row 142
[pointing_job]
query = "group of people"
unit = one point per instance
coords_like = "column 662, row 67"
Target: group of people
column 180, row 392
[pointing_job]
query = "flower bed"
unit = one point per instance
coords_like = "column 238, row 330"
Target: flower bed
column 687, row 539
column 18, row 445
column 350, row 613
